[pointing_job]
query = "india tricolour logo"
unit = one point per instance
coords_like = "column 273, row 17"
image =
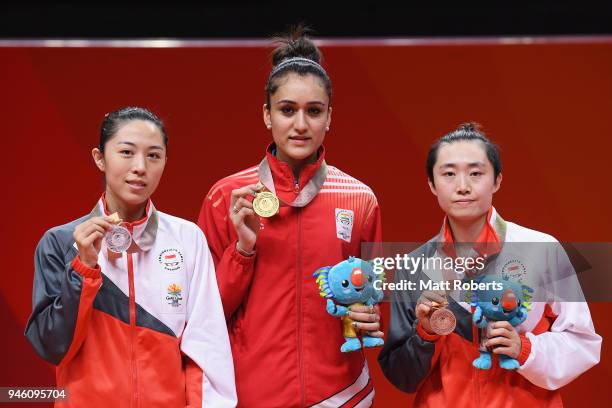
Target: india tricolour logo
column 344, row 224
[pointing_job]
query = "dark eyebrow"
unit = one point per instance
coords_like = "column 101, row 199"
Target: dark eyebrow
column 154, row 147
column 473, row 164
column 295, row 103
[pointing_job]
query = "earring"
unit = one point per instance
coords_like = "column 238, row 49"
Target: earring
column 269, row 126
column 327, row 129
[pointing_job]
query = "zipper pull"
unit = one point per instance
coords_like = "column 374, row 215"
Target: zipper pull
column 297, row 187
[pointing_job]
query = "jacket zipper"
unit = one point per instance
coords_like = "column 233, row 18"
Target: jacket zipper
column 130, row 262
column 476, row 342
column 299, row 307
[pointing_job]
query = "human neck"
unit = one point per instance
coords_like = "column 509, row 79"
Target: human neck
column 126, row 212
column 296, row 165
column 467, row 231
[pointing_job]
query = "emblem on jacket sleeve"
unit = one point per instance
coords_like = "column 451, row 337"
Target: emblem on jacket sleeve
column 171, row 259
column 344, row 224
column 174, row 296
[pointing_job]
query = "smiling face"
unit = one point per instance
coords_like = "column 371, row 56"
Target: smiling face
column 464, row 180
column 133, row 162
column 299, row 117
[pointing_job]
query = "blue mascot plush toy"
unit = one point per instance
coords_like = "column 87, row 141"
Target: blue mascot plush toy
column 350, row 283
column 510, row 303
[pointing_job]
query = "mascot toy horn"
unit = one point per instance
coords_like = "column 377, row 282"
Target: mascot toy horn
column 509, row 304
column 350, row 283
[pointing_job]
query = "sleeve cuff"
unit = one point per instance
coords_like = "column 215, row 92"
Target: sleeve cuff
column 424, row 335
column 525, row 349
column 240, row 258
column 85, row 270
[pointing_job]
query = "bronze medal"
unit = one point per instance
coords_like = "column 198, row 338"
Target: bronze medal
column 443, row 321
column 266, row 204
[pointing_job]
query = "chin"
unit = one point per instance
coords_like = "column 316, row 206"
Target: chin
column 134, row 199
column 467, row 214
column 299, row 153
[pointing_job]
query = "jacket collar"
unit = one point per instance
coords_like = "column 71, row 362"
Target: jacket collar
column 489, row 242
column 282, row 174
column 143, row 230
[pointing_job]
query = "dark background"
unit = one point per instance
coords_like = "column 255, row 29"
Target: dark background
column 240, row 19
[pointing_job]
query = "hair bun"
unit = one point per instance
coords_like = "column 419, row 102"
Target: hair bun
column 470, row 127
column 296, row 44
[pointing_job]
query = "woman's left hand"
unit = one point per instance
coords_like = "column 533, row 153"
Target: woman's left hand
column 366, row 318
column 504, row 339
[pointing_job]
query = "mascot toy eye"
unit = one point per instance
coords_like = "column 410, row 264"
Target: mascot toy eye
column 510, row 304
column 350, row 283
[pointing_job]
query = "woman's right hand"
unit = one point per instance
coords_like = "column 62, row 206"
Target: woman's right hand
column 245, row 220
column 88, row 237
column 425, row 306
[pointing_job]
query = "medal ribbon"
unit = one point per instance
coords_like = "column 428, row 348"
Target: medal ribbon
column 306, row 195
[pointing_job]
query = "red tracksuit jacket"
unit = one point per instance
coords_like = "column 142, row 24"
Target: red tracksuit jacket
column 286, row 347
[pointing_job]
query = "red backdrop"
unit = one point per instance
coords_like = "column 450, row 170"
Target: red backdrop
column 547, row 103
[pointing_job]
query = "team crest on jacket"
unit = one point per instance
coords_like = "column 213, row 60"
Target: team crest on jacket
column 171, row 259
column 344, row 224
column 514, row 270
column 174, row 296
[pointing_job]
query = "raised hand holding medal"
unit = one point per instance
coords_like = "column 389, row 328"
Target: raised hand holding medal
column 433, row 315
column 245, row 213
column 88, row 237
column 246, row 221
column 118, row 239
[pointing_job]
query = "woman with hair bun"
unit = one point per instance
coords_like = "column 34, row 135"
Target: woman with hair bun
column 286, row 346
column 526, row 361
column 125, row 300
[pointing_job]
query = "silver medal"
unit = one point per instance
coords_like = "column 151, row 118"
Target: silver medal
column 118, row 239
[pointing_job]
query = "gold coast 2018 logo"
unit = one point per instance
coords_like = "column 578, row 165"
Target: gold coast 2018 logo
column 174, row 296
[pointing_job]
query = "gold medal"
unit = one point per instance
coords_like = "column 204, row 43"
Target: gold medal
column 266, row 204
